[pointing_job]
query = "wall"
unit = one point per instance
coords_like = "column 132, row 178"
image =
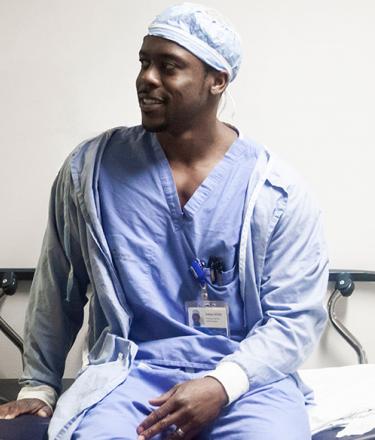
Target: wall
column 305, row 89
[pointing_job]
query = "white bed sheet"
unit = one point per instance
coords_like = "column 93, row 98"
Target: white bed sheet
column 344, row 396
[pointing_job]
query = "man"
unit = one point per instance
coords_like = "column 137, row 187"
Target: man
column 179, row 215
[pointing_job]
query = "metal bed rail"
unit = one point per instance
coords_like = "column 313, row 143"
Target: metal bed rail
column 344, row 287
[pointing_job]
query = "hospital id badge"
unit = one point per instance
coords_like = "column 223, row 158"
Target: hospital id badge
column 210, row 317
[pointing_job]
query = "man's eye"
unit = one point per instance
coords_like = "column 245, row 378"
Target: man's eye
column 144, row 63
column 169, row 67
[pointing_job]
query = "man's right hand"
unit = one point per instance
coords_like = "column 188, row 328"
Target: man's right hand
column 15, row 408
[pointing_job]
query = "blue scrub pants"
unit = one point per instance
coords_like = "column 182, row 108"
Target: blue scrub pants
column 274, row 412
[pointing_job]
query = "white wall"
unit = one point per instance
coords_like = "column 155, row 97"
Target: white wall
column 305, row 89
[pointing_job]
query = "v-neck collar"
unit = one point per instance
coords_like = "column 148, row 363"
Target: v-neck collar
column 203, row 191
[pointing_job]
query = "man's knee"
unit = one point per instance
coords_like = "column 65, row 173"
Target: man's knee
column 276, row 412
column 24, row 427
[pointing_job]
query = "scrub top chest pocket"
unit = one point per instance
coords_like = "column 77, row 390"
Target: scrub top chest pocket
column 218, row 303
column 226, row 288
column 229, row 292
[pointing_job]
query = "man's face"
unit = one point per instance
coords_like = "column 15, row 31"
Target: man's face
column 172, row 86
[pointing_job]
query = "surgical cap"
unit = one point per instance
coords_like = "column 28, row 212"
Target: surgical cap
column 203, row 32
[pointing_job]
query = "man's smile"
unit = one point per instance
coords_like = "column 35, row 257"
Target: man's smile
column 148, row 102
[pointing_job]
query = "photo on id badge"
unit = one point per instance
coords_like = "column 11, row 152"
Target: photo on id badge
column 210, row 317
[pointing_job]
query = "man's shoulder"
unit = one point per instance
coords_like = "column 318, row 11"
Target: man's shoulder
column 297, row 190
column 280, row 174
column 134, row 133
column 90, row 149
column 283, row 175
column 281, row 180
column 82, row 161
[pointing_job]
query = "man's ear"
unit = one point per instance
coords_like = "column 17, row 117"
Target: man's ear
column 220, row 82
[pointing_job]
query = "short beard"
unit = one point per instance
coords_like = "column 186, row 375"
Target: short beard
column 155, row 129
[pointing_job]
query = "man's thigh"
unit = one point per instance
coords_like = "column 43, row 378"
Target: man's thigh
column 274, row 412
column 120, row 412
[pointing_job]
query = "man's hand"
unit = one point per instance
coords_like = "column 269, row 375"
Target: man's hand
column 188, row 406
column 15, row 408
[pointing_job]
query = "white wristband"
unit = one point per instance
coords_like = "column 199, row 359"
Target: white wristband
column 233, row 378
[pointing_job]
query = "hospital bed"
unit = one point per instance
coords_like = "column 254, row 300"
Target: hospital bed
column 345, row 396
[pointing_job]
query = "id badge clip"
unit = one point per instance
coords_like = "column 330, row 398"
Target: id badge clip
column 207, row 316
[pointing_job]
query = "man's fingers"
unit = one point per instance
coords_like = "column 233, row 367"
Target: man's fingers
column 157, row 401
column 156, row 415
column 44, row 412
column 188, row 408
column 162, row 425
column 184, row 432
column 10, row 410
column 14, row 409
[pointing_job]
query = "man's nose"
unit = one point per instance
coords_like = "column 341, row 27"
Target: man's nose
column 149, row 76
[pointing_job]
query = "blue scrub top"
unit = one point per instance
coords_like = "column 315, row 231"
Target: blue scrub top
column 153, row 242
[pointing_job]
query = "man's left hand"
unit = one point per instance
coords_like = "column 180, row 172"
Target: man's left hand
column 189, row 406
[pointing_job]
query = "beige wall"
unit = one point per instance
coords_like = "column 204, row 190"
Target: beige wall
column 305, row 89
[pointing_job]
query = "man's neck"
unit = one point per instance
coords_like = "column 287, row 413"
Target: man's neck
column 197, row 144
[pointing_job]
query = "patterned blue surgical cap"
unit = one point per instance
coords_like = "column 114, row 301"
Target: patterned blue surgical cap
column 203, row 32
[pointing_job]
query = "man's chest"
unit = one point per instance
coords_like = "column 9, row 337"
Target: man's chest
column 187, row 180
